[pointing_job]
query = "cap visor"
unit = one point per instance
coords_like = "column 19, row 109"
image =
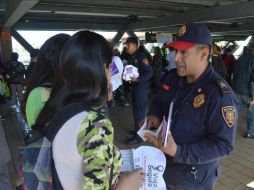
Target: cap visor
column 180, row 45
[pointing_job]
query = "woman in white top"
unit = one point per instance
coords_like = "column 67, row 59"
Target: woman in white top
column 83, row 150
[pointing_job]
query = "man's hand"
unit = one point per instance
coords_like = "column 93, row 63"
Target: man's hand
column 252, row 101
column 169, row 149
column 110, row 92
column 153, row 121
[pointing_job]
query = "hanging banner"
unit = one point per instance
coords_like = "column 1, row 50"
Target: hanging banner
column 164, row 38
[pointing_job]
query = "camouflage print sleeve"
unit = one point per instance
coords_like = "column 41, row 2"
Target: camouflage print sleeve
column 95, row 144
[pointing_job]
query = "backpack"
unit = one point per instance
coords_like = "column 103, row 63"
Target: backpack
column 36, row 169
column 15, row 70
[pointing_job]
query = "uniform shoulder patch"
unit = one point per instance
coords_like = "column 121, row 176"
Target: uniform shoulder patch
column 165, row 87
column 224, row 87
column 229, row 115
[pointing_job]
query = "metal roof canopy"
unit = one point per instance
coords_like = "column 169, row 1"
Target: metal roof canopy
column 223, row 17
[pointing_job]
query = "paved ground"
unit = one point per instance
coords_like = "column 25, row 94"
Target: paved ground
column 237, row 170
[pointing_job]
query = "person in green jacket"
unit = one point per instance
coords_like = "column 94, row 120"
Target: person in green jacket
column 43, row 76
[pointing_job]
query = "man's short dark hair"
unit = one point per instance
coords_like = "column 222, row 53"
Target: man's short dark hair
column 14, row 56
column 132, row 40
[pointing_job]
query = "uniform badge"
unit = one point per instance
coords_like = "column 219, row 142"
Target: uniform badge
column 229, row 115
column 136, row 61
column 181, row 31
column 199, row 100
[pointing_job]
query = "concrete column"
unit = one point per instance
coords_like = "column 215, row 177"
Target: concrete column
column 6, row 44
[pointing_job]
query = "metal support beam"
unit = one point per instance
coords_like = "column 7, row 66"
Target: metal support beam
column 223, row 29
column 117, row 37
column 2, row 5
column 132, row 34
column 113, row 7
column 248, row 28
column 106, row 10
column 161, row 29
column 67, row 26
column 234, row 11
column 15, row 9
column 22, row 41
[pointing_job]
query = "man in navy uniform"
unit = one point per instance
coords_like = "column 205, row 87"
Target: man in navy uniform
column 204, row 114
column 140, row 85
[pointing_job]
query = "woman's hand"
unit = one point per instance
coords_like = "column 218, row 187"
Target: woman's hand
column 131, row 180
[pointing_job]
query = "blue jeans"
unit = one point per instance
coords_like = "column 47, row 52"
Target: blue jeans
column 139, row 103
column 250, row 113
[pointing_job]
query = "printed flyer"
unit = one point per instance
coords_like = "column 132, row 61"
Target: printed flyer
column 130, row 71
column 152, row 160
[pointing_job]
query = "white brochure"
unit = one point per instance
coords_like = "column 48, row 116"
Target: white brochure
column 152, row 160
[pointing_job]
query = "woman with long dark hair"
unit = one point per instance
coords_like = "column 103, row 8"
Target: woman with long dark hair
column 42, row 78
column 217, row 62
column 83, row 149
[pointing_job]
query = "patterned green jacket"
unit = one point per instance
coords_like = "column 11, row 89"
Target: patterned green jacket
column 95, row 145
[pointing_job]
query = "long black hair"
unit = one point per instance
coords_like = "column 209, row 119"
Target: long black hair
column 82, row 75
column 46, row 69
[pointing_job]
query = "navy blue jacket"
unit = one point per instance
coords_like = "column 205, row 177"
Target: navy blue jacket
column 243, row 81
column 204, row 116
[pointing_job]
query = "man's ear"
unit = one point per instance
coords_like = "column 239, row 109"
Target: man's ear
column 204, row 54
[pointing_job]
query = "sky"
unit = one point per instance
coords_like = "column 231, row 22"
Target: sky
column 37, row 38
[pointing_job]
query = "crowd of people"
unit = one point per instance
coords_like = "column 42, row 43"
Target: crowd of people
column 195, row 80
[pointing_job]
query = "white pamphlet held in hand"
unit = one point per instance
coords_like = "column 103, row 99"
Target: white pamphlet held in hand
column 163, row 130
column 166, row 129
column 129, row 72
column 153, row 162
column 155, row 132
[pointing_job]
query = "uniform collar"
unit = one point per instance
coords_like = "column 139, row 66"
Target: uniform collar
column 205, row 77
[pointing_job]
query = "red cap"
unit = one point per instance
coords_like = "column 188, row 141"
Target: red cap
column 180, row 45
